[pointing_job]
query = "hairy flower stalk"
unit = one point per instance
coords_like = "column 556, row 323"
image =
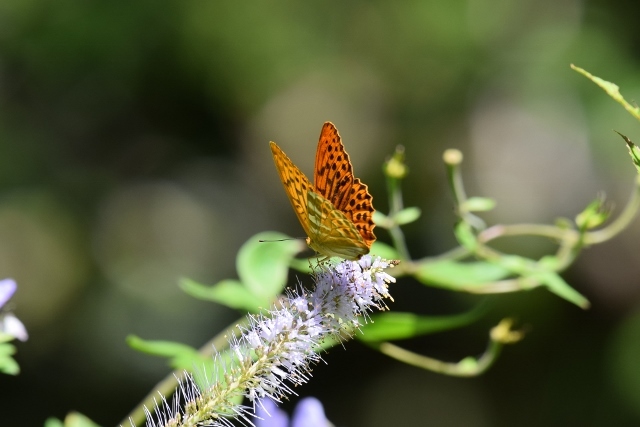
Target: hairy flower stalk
column 277, row 348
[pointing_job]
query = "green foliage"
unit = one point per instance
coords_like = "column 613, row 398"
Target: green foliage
column 229, row 292
column 634, row 151
column 397, row 326
column 407, row 216
column 8, row 365
column 479, row 204
column 612, row 90
column 385, row 251
column 262, row 268
column 180, row 356
column 73, row 419
column 460, row 276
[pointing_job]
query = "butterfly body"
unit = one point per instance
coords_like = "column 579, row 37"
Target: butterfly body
column 336, row 211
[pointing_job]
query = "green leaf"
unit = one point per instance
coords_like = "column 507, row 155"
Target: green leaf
column 558, row 286
column 384, row 251
column 395, row 326
column 634, row 151
column 263, row 267
column 612, row 90
column 303, row 265
column 159, row 348
column 478, row 204
column 4, row 337
column 407, row 215
column 7, row 349
column 181, row 356
column 460, row 275
column 8, row 365
column 76, row 419
column 465, row 236
column 228, row 292
column 53, row 422
column 381, row 220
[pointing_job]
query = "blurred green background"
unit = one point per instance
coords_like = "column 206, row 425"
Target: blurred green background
column 134, row 151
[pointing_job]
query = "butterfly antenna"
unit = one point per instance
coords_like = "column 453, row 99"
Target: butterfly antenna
column 281, row 240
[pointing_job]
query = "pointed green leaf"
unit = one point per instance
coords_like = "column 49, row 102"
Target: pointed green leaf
column 4, row 337
column 76, row 419
column 303, row 265
column 8, row 365
column 395, row 326
column 263, row 267
column 612, row 90
column 478, row 204
column 407, row 215
column 558, row 286
column 384, row 251
column 228, row 292
column 381, row 220
column 181, row 356
column 53, row 422
column 159, row 348
column 460, row 275
column 184, row 357
column 634, row 151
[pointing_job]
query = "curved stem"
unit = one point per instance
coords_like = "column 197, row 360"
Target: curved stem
column 542, row 230
column 467, row 367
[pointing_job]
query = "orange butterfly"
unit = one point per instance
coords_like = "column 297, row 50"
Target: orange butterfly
column 336, row 212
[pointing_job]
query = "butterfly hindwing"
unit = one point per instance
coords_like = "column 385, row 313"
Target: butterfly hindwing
column 331, row 232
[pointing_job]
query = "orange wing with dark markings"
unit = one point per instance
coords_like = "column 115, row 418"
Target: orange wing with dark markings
column 295, row 183
column 334, row 180
column 336, row 212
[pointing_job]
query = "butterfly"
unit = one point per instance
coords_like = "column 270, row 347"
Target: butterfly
column 336, row 211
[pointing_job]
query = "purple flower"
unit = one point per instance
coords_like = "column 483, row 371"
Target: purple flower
column 10, row 324
column 308, row 413
column 7, row 289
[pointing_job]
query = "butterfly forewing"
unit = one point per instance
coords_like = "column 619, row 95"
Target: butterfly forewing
column 333, row 175
column 360, row 211
column 334, row 180
column 296, row 185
